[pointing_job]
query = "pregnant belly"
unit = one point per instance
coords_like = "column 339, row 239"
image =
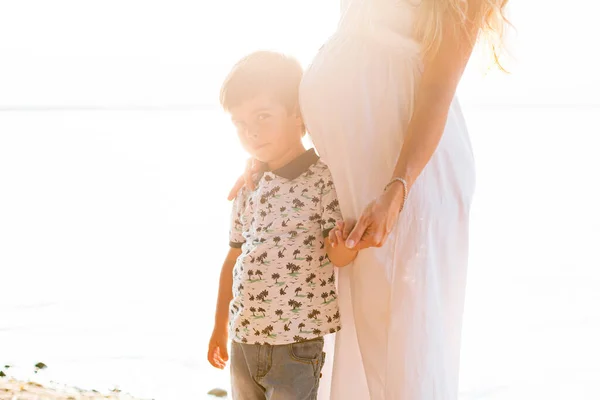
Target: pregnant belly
column 357, row 99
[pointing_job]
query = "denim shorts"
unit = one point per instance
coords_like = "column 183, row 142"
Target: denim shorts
column 278, row 372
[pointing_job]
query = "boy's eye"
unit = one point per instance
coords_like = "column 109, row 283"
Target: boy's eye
column 263, row 116
column 240, row 125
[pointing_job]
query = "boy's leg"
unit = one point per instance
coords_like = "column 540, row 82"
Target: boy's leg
column 295, row 371
column 244, row 364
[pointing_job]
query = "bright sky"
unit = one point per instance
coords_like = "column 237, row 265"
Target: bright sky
column 114, row 199
column 138, row 52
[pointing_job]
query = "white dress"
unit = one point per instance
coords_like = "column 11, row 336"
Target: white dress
column 401, row 304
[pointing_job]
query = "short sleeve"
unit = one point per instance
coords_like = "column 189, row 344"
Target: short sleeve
column 236, row 226
column 330, row 207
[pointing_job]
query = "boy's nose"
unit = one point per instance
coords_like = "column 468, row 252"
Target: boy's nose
column 252, row 133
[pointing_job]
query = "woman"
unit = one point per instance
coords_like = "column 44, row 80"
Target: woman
column 379, row 104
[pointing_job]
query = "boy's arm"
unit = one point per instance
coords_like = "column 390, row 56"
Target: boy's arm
column 331, row 221
column 217, row 347
column 225, row 290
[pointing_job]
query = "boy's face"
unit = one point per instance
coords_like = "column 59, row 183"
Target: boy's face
column 266, row 128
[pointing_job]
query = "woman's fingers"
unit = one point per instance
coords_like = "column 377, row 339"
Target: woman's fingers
column 358, row 231
column 248, row 173
column 236, row 188
column 347, row 227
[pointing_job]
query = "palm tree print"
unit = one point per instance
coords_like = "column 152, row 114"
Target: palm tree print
column 293, row 268
column 309, row 240
column 294, row 304
column 282, row 221
column 267, row 331
column 281, row 254
column 298, row 205
column 314, row 217
column 275, row 277
column 331, row 207
column 262, row 296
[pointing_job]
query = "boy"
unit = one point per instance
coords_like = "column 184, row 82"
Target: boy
column 278, row 264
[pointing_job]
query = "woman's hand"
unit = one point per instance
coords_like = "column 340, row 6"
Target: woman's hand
column 252, row 167
column 378, row 219
column 339, row 234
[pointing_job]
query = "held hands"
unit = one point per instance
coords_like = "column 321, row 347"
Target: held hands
column 377, row 220
column 217, row 349
column 339, row 234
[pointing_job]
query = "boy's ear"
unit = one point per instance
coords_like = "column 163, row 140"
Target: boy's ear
column 298, row 117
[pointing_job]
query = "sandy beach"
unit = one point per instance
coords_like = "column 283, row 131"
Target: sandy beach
column 13, row 389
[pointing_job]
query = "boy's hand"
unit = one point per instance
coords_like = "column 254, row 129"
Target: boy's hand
column 339, row 234
column 217, row 349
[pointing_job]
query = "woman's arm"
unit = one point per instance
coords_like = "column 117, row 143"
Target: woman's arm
column 441, row 75
column 439, row 80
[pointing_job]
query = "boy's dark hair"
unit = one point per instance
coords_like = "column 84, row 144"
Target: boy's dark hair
column 262, row 72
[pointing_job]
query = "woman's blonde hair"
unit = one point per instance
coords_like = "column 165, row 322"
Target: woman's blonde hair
column 487, row 15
